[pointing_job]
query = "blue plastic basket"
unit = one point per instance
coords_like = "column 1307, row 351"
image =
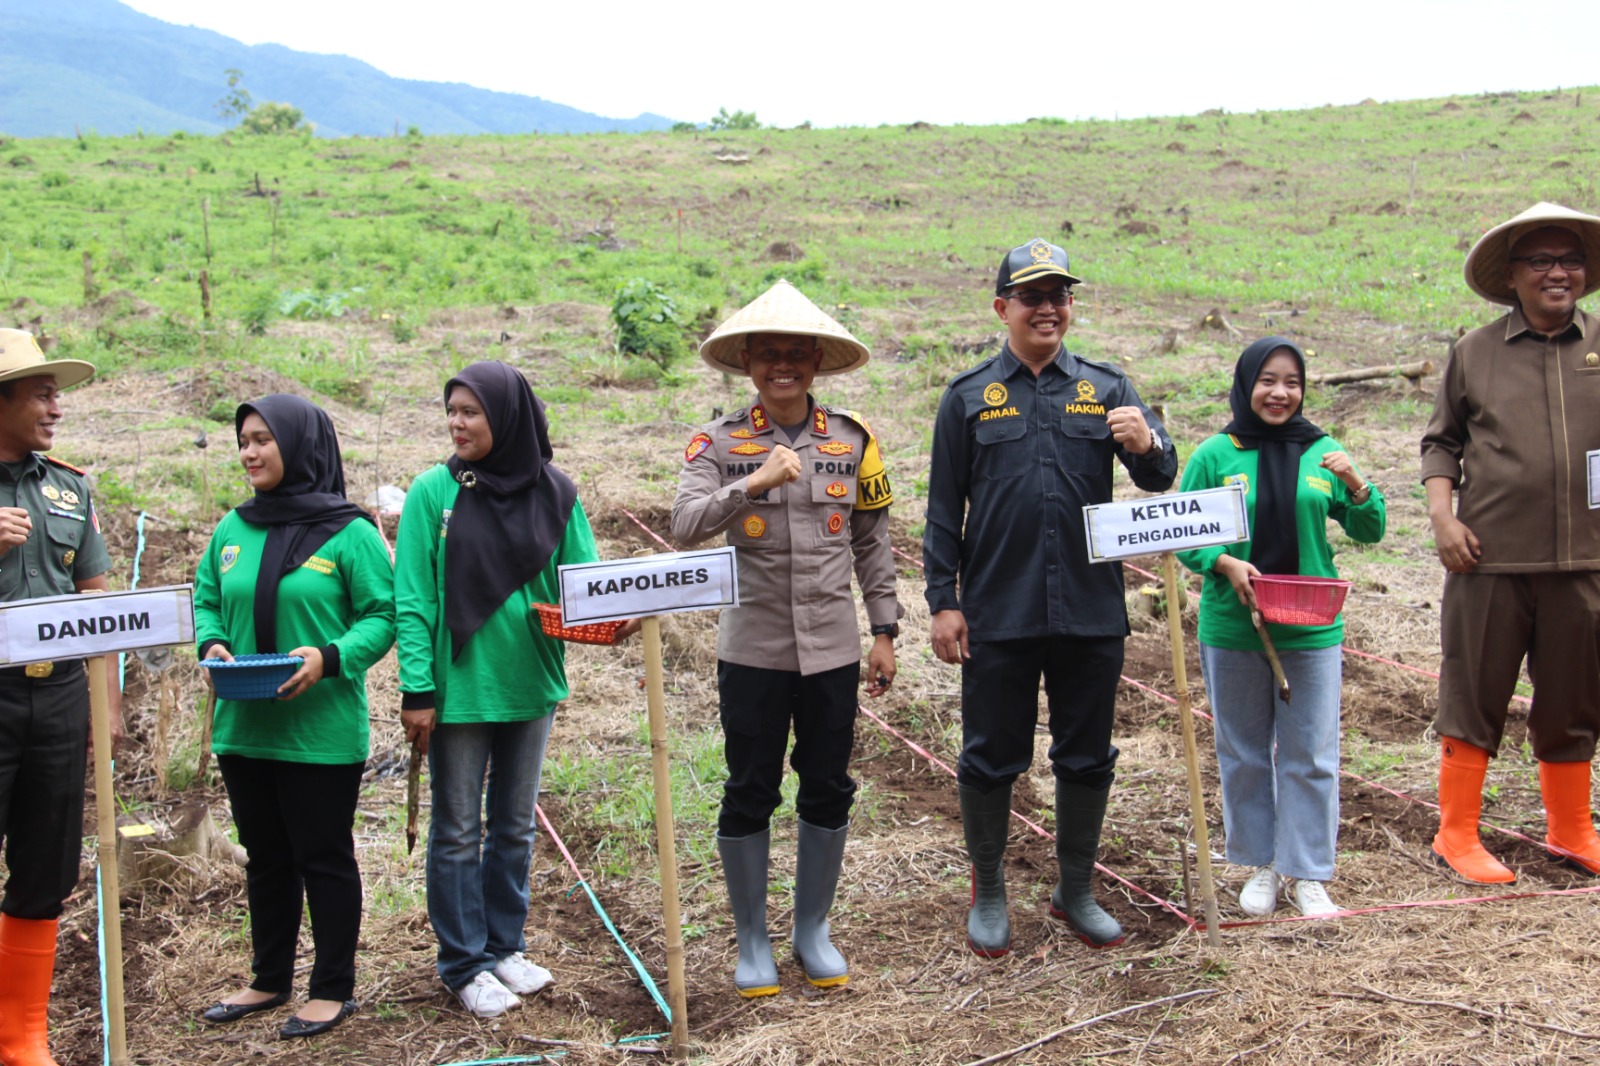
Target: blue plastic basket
column 251, row 677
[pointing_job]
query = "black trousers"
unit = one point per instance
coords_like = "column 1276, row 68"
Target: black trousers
column 44, row 742
column 757, row 707
column 1000, row 705
column 297, row 822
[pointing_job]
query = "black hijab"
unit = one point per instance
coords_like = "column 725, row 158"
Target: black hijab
column 512, row 510
column 303, row 510
column 1275, row 540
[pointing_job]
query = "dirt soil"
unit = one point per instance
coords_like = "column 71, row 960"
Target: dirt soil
column 1423, row 971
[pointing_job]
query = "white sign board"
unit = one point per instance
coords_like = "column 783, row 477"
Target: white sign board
column 652, row 584
column 1174, row 522
column 77, row 626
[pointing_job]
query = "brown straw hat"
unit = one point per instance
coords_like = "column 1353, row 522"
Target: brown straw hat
column 21, row 357
column 1487, row 263
column 784, row 309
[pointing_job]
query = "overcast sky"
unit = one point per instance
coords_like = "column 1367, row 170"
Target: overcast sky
column 865, row 62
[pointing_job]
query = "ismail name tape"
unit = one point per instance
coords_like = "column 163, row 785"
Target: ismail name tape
column 1174, row 522
column 76, row 626
column 652, row 584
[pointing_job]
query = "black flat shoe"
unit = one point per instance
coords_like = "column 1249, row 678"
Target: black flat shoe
column 222, row 1013
column 298, row 1027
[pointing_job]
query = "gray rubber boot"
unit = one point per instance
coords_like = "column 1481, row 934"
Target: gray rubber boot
column 1080, row 811
column 744, row 867
column 819, row 853
column 986, row 820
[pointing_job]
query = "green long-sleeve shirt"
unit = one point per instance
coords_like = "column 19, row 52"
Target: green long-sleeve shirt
column 343, row 595
column 1224, row 621
column 509, row 671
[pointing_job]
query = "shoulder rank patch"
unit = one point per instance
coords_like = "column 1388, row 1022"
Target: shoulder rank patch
column 872, row 480
column 836, row 447
column 819, row 424
column 758, row 417
column 836, row 489
column 742, row 434
column 697, row 444
column 65, row 465
column 230, row 555
column 749, row 448
column 835, row 522
column 755, row 526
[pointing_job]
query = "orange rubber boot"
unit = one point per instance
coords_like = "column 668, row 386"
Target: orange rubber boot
column 27, row 961
column 1461, row 771
column 1565, row 787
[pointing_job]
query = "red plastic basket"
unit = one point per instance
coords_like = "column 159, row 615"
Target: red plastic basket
column 589, row 633
column 1297, row 600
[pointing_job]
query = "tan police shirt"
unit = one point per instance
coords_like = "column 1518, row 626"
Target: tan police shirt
column 1515, row 418
column 795, row 543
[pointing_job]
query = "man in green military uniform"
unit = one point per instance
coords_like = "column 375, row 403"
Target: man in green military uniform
column 50, row 545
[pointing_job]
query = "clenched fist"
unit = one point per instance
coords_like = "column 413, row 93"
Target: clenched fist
column 15, row 525
column 781, row 466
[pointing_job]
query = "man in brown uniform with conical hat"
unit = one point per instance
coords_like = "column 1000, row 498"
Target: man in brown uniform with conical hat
column 1516, row 429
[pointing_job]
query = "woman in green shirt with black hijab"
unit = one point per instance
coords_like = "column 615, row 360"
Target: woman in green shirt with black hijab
column 300, row 569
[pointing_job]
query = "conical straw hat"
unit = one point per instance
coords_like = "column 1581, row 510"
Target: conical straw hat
column 784, row 309
column 1487, row 262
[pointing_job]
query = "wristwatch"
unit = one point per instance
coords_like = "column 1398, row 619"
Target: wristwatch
column 887, row 629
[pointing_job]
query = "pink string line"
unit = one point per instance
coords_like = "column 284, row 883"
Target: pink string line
column 646, row 528
column 556, row 838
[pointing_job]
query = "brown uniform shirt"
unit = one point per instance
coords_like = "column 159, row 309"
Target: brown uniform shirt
column 1512, row 423
column 795, row 543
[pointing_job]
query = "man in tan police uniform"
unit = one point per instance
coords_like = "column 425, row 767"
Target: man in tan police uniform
column 50, row 545
column 1516, row 431
column 800, row 490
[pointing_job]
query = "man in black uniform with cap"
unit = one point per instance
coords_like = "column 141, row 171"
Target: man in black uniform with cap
column 50, row 545
column 1021, row 444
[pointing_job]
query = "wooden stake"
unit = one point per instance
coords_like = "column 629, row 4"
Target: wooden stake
column 1191, row 754
column 666, row 847
column 106, row 854
column 207, row 716
column 205, row 222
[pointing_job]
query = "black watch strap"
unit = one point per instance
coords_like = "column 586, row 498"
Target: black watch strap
column 887, row 629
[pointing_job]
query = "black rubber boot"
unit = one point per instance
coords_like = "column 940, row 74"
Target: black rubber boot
column 986, row 819
column 1080, row 811
column 744, row 866
column 819, row 853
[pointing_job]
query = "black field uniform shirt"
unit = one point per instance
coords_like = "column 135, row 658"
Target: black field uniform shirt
column 1015, row 459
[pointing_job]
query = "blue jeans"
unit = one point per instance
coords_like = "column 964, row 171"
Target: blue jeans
column 480, row 842
column 1279, row 762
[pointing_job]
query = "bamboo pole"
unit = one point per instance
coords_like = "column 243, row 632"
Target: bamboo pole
column 106, row 849
column 1191, row 754
column 666, row 847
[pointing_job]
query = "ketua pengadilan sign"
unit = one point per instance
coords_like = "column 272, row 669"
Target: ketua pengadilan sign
column 1176, row 521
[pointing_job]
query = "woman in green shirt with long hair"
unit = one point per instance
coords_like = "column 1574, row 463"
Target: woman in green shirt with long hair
column 297, row 569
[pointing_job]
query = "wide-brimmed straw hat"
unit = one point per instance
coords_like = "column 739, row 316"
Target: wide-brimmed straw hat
column 784, row 309
column 21, row 357
column 1487, row 262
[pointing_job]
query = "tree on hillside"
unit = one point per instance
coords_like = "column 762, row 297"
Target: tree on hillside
column 738, row 120
column 235, row 103
column 273, row 118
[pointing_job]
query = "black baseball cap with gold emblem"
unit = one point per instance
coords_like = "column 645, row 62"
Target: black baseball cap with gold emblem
column 1036, row 259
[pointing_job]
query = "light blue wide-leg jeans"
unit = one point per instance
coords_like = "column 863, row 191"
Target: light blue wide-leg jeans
column 485, row 782
column 1279, row 762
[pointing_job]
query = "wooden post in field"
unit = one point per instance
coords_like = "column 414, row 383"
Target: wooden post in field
column 105, row 802
column 1191, row 753
column 666, row 846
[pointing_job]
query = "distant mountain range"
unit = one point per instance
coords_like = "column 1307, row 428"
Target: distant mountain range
column 102, row 66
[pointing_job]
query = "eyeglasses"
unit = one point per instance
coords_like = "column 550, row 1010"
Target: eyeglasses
column 1033, row 297
column 1541, row 263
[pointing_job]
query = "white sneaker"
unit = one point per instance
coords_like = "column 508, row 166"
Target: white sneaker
column 486, row 997
column 1312, row 899
column 1259, row 896
column 521, row 976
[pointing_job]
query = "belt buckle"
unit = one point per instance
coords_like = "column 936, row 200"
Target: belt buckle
column 39, row 669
